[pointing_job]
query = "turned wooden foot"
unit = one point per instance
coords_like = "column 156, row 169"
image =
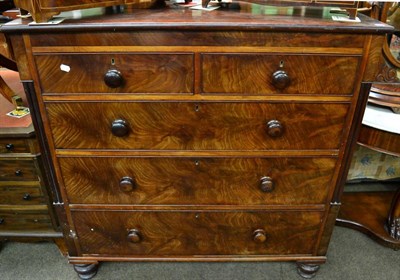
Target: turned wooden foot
column 307, row 270
column 86, row 271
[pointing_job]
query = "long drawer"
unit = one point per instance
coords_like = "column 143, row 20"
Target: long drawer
column 196, row 126
column 197, row 181
column 278, row 74
column 130, row 233
column 116, row 73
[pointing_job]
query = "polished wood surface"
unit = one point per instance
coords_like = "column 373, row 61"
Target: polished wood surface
column 368, row 213
column 196, row 232
column 197, row 181
column 225, row 159
column 196, row 126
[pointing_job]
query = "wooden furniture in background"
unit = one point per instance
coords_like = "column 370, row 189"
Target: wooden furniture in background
column 377, row 214
column 26, row 212
column 173, row 135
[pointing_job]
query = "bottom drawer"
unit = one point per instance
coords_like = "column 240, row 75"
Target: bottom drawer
column 28, row 220
column 185, row 233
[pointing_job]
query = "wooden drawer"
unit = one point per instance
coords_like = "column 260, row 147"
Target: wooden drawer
column 257, row 74
column 18, row 169
column 196, row 126
column 13, row 145
column 25, row 220
column 197, row 181
column 125, row 73
column 196, row 232
column 21, row 193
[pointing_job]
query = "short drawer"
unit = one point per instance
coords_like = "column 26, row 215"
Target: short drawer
column 13, row 145
column 116, row 73
column 196, row 126
column 197, row 181
column 170, row 233
column 278, row 74
column 25, row 220
column 19, row 169
column 21, row 193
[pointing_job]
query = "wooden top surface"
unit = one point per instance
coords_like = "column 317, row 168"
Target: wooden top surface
column 237, row 16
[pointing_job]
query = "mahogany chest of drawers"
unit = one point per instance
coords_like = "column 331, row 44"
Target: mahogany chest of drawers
column 198, row 136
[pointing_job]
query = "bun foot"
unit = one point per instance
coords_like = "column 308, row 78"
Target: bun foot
column 86, row 271
column 307, row 271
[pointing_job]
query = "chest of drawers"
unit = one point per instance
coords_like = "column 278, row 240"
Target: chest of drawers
column 189, row 136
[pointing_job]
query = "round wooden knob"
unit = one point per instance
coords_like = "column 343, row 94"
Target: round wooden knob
column 274, row 128
column 266, row 184
column 18, row 172
column 1, row 221
column 119, row 128
column 113, row 78
column 259, row 236
column 9, row 147
column 134, row 236
column 280, row 79
column 27, row 196
column 126, row 184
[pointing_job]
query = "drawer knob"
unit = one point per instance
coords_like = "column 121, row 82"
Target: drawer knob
column 119, row 128
column 1, row 221
column 280, row 79
column 113, row 78
column 259, row 236
column 274, row 128
column 266, row 184
column 27, row 196
column 134, row 236
column 126, row 184
column 9, row 147
column 18, row 172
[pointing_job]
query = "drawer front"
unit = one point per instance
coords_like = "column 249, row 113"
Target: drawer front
column 196, row 126
column 18, row 169
column 12, row 145
column 197, row 181
column 21, row 193
column 25, row 220
column 278, row 74
column 197, row 233
column 116, row 73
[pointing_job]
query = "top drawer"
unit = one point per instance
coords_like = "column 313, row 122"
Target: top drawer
column 282, row 74
column 116, row 73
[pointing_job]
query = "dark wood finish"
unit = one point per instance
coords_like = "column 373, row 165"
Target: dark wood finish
column 212, row 162
column 323, row 74
column 141, row 73
column 196, row 232
column 383, row 141
column 367, row 212
column 86, row 271
column 197, row 126
column 185, row 181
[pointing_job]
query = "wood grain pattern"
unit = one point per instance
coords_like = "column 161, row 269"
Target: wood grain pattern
column 193, row 38
column 252, row 74
column 196, row 232
column 25, row 220
column 14, row 193
column 142, row 73
column 196, row 126
column 17, row 146
column 18, row 169
column 197, row 181
column 380, row 140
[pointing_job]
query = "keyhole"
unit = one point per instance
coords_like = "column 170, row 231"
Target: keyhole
column 112, row 61
column 196, row 107
column 197, row 163
column 281, row 64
